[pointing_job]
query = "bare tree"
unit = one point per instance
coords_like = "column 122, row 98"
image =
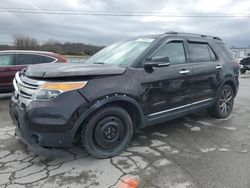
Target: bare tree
column 25, row 43
column 67, row 48
column 52, row 46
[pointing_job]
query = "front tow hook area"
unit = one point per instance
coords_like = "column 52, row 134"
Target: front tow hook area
column 34, row 146
column 35, row 139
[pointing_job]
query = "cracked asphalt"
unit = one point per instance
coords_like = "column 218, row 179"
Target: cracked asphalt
column 193, row 151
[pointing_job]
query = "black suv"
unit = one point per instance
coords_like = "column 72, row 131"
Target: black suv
column 244, row 65
column 126, row 86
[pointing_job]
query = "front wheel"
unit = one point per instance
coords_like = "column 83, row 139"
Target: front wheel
column 224, row 102
column 107, row 132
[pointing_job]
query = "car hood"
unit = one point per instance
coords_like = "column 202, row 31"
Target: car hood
column 70, row 70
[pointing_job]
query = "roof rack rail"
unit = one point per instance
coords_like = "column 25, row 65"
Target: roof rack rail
column 193, row 34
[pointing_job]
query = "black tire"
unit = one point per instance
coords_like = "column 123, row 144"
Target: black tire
column 107, row 132
column 224, row 103
column 243, row 71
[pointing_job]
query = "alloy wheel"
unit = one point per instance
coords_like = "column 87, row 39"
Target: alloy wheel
column 226, row 101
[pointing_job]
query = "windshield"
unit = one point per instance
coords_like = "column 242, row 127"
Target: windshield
column 121, row 54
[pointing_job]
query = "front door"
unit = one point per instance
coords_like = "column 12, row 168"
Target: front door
column 167, row 88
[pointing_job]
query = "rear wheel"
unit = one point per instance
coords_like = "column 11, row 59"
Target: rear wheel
column 243, row 71
column 224, row 102
column 107, row 132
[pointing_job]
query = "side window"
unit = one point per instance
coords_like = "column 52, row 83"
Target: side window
column 226, row 51
column 174, row 51
column 45, row 59
column 6, row 59
column 212, row 55
column 27, row 59
column 200, row 52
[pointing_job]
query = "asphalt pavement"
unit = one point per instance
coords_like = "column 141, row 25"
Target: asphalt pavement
column 193, row 151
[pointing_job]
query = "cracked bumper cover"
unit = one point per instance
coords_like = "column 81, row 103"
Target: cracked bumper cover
column 49, row 123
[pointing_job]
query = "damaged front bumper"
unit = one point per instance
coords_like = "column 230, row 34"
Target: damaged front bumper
column 50, row 123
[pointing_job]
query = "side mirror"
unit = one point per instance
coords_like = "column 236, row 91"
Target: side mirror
column 156, row 62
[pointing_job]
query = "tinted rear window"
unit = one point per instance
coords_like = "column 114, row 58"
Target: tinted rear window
column 27, row 59
column 200, row 52
column 45, row 59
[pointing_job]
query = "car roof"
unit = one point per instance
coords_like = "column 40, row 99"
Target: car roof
column 192, row 36
column 27, row 51
column 42, row 53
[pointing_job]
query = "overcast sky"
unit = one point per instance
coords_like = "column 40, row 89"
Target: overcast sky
column 103, row 30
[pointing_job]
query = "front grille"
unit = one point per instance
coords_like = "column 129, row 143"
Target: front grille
column 25, row 88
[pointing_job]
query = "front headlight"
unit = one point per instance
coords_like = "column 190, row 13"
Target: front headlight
column 50, row 90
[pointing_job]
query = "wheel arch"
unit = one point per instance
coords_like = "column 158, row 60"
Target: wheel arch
column 126, row 102
column 231, row 83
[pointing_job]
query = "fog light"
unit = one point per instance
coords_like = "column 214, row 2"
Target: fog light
column 35, row 139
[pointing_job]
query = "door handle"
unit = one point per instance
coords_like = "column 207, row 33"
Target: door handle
column 218, row 67
column 184, row 71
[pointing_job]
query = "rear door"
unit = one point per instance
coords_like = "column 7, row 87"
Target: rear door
column 207, row 70
column 7, row 71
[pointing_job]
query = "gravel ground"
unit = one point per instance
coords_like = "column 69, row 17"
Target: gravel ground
column 193, row 151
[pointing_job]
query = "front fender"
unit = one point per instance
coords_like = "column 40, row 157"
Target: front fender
column 109, row 99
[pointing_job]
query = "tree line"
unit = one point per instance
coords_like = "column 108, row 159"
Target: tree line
column 66, row 48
